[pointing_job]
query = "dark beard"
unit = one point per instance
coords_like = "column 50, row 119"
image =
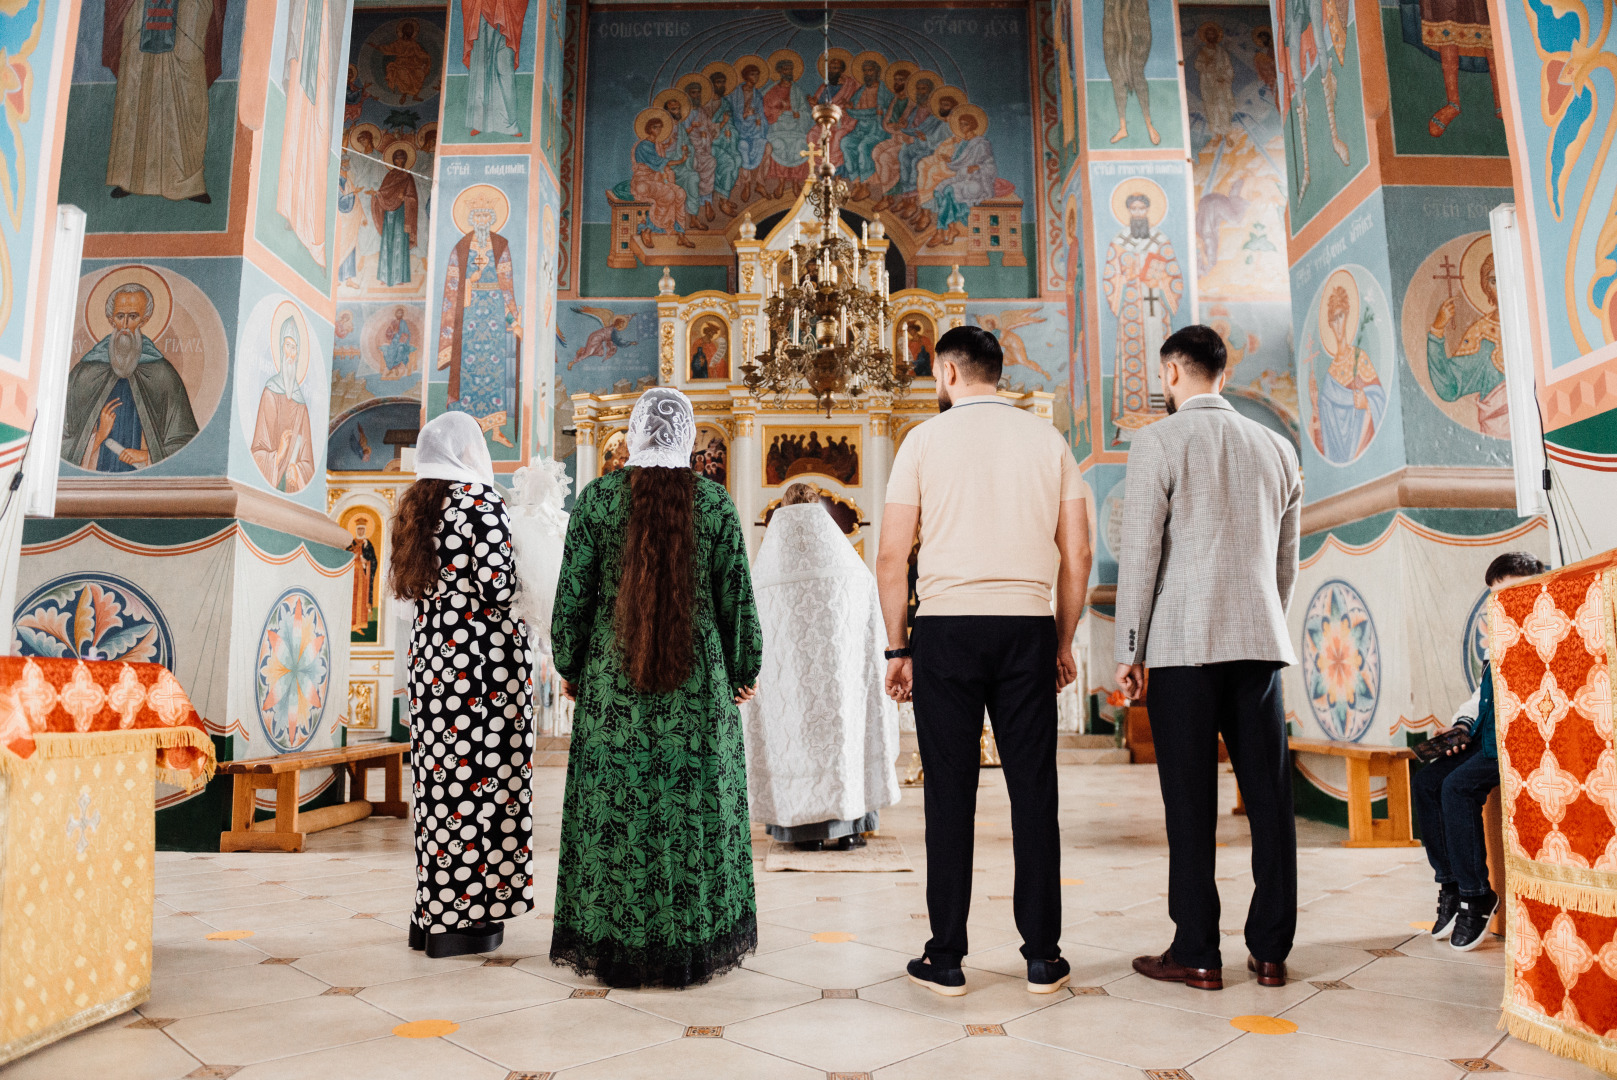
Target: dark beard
column 1140, row 228
column 1168, row 403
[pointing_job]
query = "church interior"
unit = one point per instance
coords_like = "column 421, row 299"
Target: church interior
column 251, row 247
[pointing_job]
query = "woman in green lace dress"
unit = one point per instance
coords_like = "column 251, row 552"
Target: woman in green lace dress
column 656, row 633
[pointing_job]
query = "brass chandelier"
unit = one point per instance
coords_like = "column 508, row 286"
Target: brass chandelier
column 827, row 321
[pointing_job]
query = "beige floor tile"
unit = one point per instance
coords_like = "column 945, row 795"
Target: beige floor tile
column 844, row 965
column 330, row 935
column 1489, row 953
column 1128, row 1032
column 707, row 1059
column 1091, row 966
column 109, row 1050
column 273, row 916
column 728, row 999
column 463, row 994
column 239, row 896
column 1241, row 996
column 281, row 1029
column 391, row 1058
column 846, row 914
column 168, row 929
column 391, row 898
column 1433, row 980
column 1305, row 1057
column 201, row 992
column 909, row 936
column 383, row 963
column 772, row 938
column 1371, row 932
column 839, row 1035
column 200, row 954
column 1529, row 1060
column 1434, row 1028
column 990, row 998
column 996, row 1058
column 562, row 1034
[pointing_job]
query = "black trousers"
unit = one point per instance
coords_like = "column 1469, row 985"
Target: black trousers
column 1449, row 795
column 1005, row 664
column 1190, row 707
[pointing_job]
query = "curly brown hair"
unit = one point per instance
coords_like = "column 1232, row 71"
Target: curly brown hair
column 413, row 566
column 654, row 619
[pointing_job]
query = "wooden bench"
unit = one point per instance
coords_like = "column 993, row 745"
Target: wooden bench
column 288, row 828
column 1363, row 762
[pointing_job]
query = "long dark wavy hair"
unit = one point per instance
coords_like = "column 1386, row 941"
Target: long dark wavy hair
column 413, row 567
column 655, row 616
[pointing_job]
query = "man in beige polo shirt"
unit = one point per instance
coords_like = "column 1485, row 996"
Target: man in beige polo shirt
column 999, row 505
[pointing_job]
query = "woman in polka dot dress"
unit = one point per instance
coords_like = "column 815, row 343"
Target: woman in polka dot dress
column 471, row 721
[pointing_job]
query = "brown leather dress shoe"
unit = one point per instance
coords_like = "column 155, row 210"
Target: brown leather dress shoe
column 1166, row 969
column 1268, row 974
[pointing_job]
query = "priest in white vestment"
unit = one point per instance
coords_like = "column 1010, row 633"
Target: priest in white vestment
column 822, row 736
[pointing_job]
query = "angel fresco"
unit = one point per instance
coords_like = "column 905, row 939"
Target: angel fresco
column 605, row 341
column 1004, row 326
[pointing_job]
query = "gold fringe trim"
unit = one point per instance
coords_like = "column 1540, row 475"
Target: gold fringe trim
column 95, row 1014
column 1559, row 1039
column 52, row 746
column 1593, row 891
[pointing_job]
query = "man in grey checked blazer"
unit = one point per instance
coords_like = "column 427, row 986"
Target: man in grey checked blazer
column 1209, row 539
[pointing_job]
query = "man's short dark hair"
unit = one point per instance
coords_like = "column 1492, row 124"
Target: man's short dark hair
column 1513, row 564
column 974, row 351
column 1198, row 348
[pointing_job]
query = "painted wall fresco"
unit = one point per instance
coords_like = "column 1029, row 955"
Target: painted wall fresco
column 695, row 121
column 1076, row 346
column 390, row 128
column 479, row 296
column 1317, row 57
column 1131, row 62
column 281, row 399
column 153, row 116
column 1142, row 240
column 32, row 34
column 1441, row 70
column 1561, row 63
column 1441, row 257
column 1243, row 280
column 488, row 88
column 151, row 364
column 1348, row 376
column 390, row 140
column 298, row 164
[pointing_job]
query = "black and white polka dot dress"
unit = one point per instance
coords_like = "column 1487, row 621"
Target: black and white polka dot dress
column 471, row 725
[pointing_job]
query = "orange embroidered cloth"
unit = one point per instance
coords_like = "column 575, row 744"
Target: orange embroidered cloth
column 47, row 707
column 1552, row 650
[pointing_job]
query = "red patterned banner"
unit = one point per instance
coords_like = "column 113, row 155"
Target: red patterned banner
column 46, row 704
column 1552, row 651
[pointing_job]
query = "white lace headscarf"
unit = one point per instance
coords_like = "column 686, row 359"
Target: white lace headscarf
column 662, row 429
column 451, row 447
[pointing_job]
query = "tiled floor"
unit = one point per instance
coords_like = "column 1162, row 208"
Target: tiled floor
column 325, row 978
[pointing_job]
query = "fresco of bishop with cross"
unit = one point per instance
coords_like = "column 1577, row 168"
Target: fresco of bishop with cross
column 1143, row 285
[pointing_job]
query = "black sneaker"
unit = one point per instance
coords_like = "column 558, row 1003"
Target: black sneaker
column 1448, row 906
column 1047, row 976
column 1471, row 924
column 950, row 982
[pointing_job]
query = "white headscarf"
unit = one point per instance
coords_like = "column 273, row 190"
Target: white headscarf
column 451, row 447
column 662, row 429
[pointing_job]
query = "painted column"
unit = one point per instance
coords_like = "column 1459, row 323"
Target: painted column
column 878, row 467
column 745, row 462
column 584, row 406
column 1395, row 155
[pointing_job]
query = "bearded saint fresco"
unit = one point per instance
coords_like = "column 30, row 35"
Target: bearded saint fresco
column 126, row 406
